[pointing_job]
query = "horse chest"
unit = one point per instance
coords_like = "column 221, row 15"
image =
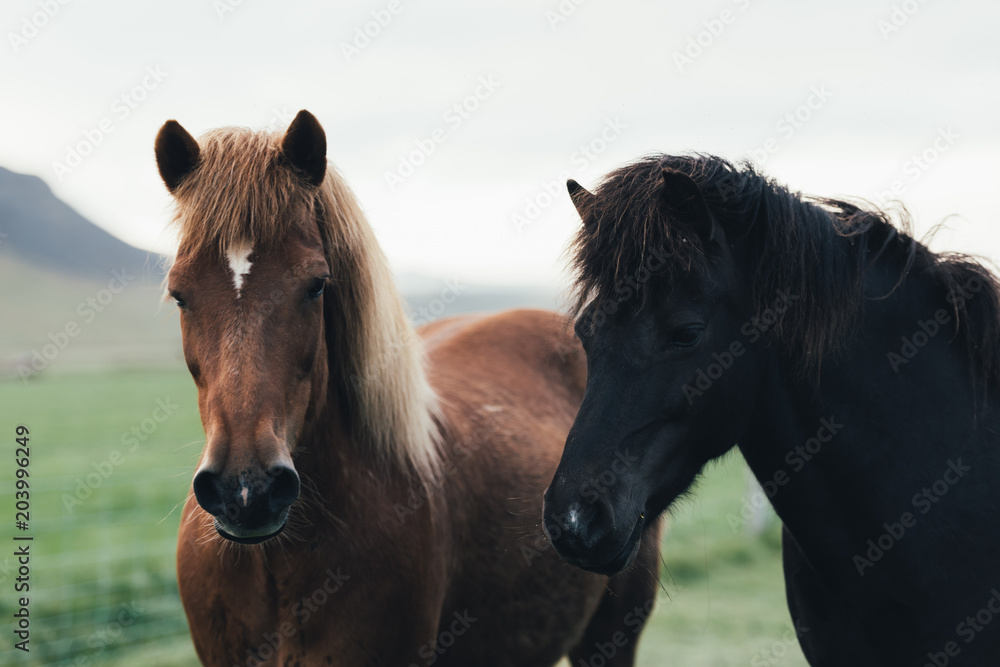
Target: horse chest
column 296, row 609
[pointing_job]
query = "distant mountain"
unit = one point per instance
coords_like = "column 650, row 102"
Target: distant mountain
column 431, row 298
column 46, row 232
column 65, row 309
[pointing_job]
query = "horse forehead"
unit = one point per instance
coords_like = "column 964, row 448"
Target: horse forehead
column 271, row 265
column 238, row 258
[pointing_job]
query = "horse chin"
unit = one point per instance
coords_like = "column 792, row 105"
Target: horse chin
column 248, row 539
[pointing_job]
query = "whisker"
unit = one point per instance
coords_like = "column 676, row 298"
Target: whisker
column 168, row 514
column 193, row 442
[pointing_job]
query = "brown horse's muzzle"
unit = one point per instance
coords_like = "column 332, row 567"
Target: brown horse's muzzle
column 251, row 505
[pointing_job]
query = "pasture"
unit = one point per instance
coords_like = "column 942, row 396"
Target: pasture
column 112, row 456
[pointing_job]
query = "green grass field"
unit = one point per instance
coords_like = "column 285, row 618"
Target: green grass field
column 111, row 458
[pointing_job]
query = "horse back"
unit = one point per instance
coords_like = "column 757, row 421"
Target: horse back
column 517, row 356
column 509, row 385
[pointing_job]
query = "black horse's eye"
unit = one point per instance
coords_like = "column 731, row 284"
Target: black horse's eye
column 316, row 288
column 181, row 303
column 687, row 336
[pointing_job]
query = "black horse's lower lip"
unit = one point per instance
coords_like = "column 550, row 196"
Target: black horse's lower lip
column 256, row 539
column 624, row 557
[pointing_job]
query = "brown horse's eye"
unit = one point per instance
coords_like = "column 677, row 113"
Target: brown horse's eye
column 181, row 303
column 316, row 288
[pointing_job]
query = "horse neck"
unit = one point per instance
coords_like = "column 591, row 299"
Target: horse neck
column 843, row 449
column 345, row 474
column 330, row 464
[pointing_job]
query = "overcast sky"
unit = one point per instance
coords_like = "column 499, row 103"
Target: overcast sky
column 832, row 98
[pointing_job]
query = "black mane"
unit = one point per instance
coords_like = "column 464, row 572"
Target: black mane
column 798, row 244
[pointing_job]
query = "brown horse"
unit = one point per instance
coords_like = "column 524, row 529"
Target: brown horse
column 368, row 494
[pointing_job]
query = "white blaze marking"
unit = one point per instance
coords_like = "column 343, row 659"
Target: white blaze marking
column 245, row 492
column 240, row 265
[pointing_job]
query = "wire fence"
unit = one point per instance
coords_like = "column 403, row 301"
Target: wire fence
column 103, row 585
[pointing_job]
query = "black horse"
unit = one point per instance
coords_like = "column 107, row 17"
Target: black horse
column 856, row 370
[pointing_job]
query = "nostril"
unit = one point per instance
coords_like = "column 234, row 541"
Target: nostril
column 580, row 524
column 284, row 487
column 206, row 491
column 593, row 521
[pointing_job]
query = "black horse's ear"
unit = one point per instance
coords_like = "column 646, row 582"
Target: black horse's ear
column 582, row 198
column 683, row 195
column 176, row 153
column 305, row 147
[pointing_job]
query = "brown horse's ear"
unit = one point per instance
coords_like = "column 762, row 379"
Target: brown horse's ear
column 684, row 196
column 305, row 147
column 176, row 153
column 582, row 198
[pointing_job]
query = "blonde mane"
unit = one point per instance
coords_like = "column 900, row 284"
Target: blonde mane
column 245, row 192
